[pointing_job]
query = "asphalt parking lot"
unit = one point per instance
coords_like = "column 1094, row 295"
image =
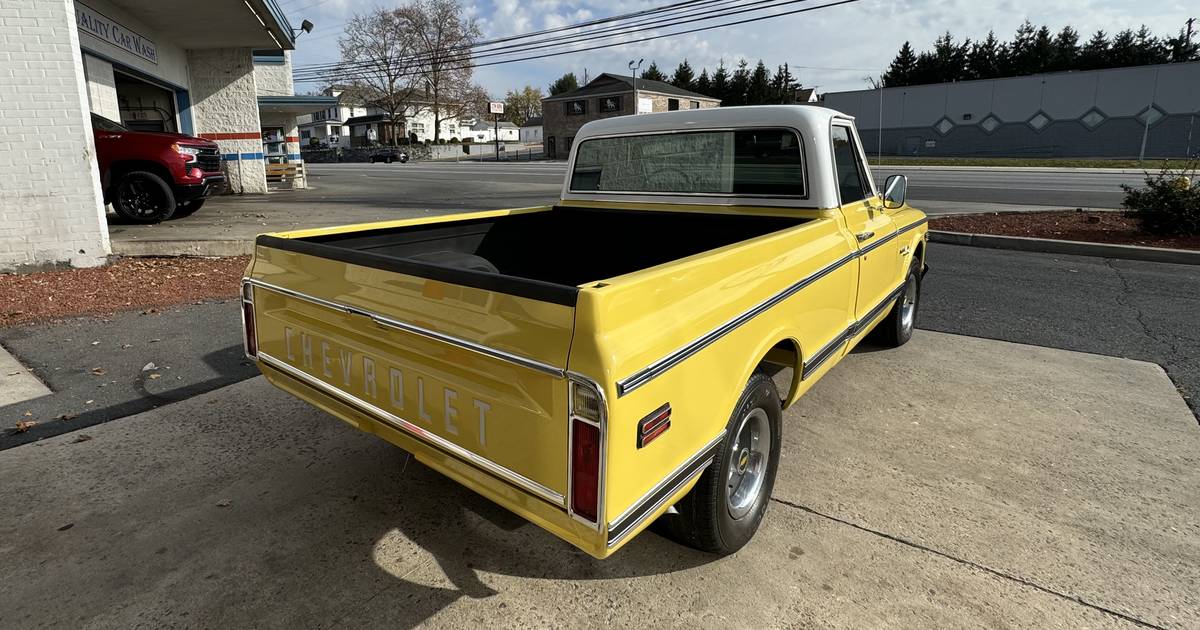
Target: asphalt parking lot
column 955, row 481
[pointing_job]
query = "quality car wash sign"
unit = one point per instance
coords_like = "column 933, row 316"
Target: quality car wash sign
column 94, row 23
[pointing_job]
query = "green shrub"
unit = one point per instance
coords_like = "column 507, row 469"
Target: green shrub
column 454, row 140
column 1169, row 204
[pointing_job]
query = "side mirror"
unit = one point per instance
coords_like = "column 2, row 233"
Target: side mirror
column 895, row 191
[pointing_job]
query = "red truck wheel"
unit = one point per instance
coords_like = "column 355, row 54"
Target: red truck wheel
column 143, row 197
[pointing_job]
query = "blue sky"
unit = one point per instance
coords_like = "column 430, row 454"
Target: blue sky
column 832, row 49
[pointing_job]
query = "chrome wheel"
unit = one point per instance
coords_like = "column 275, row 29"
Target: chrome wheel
column 908, row 305
column 748, row 462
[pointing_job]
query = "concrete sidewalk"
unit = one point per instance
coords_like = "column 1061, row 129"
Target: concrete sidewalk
column 954, row 482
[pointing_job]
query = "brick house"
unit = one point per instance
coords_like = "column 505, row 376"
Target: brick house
column 606, row 96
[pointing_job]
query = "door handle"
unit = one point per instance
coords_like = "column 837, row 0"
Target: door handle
column 862, row 236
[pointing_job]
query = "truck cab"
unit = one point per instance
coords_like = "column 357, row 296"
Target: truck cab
column 604, row 362
column 152, row 176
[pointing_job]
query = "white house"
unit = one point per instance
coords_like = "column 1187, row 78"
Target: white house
column 531, row 131
column 485, row 131
column 371, row 126
column 327, row 128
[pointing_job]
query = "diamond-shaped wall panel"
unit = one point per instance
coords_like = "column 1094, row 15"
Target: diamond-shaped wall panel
column 989, row 124
column 1039, row 121
column 1093, row 118
column 1151, row 115
column 944, row 126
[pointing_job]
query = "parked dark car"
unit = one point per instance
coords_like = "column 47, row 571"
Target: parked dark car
column 150, row 176
column 387, row 156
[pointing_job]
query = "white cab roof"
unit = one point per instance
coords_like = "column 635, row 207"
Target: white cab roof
column 810, row 122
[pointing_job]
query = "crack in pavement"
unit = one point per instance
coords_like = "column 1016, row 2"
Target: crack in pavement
column 975, row 565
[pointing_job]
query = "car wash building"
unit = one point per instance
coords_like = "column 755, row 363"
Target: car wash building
column 218, row 69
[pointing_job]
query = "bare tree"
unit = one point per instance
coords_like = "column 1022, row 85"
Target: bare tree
column 443, row 35
column 379, row 55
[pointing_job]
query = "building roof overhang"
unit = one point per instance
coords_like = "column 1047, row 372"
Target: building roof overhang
column 213, row 23
column 294, row 104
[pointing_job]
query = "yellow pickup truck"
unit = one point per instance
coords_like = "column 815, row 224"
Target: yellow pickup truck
column 604, row 362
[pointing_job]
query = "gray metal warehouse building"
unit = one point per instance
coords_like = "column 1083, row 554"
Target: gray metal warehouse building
column 1099, row 113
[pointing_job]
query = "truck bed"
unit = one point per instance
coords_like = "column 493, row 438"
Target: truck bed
column 543, row 255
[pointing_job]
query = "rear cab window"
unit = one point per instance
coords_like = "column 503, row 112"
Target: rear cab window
column 742, row 162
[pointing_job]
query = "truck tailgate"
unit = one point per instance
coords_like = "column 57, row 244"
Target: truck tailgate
column 476, row 373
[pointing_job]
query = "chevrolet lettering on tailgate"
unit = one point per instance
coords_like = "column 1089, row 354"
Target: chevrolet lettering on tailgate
column 615, row 358
column 360, row 374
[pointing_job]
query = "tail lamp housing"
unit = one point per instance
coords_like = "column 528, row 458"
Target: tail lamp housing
column 588, row 418
column 249, row 332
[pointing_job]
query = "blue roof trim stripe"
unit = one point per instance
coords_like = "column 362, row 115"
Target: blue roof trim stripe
column 279, row 16
column 294, row 100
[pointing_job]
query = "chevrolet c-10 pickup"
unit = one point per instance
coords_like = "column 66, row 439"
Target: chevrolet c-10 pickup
column 604, row 362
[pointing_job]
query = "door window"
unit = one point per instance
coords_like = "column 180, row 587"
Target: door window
column 852, row 180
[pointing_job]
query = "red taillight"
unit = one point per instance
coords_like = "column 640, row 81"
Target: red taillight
column 251, row 341
column 585, row 469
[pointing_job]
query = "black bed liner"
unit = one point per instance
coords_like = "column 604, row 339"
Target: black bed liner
column 539, row 255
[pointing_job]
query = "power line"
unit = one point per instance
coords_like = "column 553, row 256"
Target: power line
column 318, row 76
column 684, row 7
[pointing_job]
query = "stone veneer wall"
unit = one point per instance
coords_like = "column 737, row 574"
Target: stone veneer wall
column 225, row 109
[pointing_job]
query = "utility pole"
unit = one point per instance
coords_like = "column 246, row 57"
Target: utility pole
column 634, row 68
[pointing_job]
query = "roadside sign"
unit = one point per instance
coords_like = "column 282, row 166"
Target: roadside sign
column 496, row 107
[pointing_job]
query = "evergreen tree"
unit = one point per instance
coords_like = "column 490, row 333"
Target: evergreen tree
column 684, row 77
column 984, row 60
column 1179, row 49
column 1123, row 51
column 720, row 84
column 739, row 84
column 1150, row 49
column 1042, row 52
column 1066, row 50
column 1094, row 54
column 784, row 86
column 944, row 53
column 925, row 70
column 758, row 91
column 565, row 83
column 900, row 72
column 1021, row 58
column 703, row 83
column 653, row 73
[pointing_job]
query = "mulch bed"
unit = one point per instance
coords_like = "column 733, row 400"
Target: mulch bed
column 127, row 284
column 1066, row 225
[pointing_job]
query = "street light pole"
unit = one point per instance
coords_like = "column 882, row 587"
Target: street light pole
column 634, row 69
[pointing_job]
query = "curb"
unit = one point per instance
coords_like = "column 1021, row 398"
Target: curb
column 1021, row 169
column 1071, row 248
column 216, row 248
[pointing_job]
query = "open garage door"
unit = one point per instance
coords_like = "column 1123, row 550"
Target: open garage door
column 145, row 106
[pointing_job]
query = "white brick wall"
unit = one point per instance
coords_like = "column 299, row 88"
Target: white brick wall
column 102, row 88
column 275, row 79
column 50, row 200
column 224, row 102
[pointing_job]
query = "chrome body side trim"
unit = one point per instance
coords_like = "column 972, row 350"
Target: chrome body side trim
column 846, row 335
column 388, row 322
column 418, row 432
column 652, row 371
column 650, row 502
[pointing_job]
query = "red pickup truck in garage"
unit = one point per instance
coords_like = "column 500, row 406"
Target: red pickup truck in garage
column 149, row 177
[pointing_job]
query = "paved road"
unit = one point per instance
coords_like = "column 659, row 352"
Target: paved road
column 1063, row 492
column 424, row 184
column 1118, row 308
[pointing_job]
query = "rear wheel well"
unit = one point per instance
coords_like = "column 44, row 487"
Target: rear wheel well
column 784, row 355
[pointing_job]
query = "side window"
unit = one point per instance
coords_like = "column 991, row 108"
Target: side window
column 852, row 182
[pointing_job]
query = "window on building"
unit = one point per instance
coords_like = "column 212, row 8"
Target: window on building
column 694, row 105
column 575, row 108
column 609, row 104
column 739, row 162
column 672, row 104
column 305, row 134
column 335, row 130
